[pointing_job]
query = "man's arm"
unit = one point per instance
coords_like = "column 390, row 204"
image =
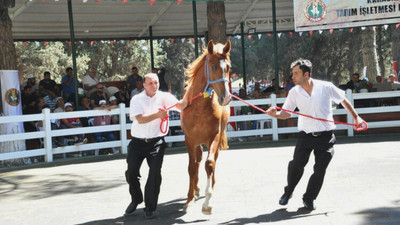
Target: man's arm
column 150, row 117
column 280, row 115
column 356, row 118
column 182, row 104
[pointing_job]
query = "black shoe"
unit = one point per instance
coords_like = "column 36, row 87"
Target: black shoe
column 149, row 215
column 309, row 204
column 131, row 209
column 284, row 199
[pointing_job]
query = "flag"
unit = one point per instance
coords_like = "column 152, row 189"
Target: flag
column 11, row 98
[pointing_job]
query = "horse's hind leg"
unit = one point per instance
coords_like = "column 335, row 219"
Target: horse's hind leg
column 210, row 169
column 195, row 156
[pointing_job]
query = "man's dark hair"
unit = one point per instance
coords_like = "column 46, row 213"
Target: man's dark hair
column 304, row 64
column 357, row 74
column 134, row 67
column 46, row 73
column 68, row 69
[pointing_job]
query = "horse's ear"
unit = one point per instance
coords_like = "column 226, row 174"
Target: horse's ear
column 210, row 47
column 227, row 47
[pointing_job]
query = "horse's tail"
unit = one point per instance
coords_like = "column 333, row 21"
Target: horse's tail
column 224, row 141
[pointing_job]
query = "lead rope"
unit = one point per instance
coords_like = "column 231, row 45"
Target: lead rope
column 362, row 128
column 164, row 129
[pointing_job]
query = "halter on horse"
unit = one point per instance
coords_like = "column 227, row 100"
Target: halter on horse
column 204, row 120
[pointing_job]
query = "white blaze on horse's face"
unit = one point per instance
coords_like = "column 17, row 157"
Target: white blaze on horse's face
column 224, row 64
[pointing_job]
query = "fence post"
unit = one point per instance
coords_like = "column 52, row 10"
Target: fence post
column 350, row 130
column 122, row 122
column 47, row 135
column 275, row 136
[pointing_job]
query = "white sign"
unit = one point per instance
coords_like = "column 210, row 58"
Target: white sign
column 331, row 14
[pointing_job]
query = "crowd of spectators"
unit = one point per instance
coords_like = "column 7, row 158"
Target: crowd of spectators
column 92, row 95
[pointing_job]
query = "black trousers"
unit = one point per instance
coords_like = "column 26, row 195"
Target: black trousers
column 323, row 152
column 153, row 152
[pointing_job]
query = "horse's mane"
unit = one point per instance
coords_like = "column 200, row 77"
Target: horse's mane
column 193, row 67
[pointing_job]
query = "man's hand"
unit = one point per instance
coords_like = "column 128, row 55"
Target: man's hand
column 272, row 111
column 358, row 121
column 162, row 113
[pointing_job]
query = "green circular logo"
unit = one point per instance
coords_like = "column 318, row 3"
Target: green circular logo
column 315, row 11
column 12, row 97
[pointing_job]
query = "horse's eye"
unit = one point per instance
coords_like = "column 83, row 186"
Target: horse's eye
column 213, row 68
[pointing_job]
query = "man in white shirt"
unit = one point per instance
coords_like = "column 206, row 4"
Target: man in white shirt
column 146, row 112
column 312, row 97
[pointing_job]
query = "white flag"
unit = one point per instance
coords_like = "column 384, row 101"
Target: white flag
column 11, row 98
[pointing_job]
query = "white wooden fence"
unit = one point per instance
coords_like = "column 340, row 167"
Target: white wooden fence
column 46, row 135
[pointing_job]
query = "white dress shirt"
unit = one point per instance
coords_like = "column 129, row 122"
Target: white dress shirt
column 318, row 104
column 141, row 104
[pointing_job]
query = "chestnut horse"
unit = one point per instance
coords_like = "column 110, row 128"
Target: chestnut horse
column 204, row 119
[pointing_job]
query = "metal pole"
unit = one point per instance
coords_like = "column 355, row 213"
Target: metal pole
column 72, row 34
column 151, row 46
column 196, row 39
column 275, row 45
column 243, row 57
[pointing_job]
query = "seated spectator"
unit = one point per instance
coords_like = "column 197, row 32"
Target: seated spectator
column 48, row 84
column 90, row 81
column 31, row 81
column 60, row 105
column 68, row 85
column 72, row 123
column 102, row 121
column 122, row 96
column 271, row 87
column 131, row 80
column 356, row 84
column 395, row 84
column 55, row 124
column 85, row 105
column 27, row 97
column 139, row 88
column 114, row 103
column 98, row 95
column 51, row 99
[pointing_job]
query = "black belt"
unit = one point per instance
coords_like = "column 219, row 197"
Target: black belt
column 147, row 140
column 318, row 134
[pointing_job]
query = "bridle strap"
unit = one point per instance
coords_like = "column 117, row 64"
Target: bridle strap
column 207, row 74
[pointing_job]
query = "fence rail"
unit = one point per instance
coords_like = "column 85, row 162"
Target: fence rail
column 274, row 130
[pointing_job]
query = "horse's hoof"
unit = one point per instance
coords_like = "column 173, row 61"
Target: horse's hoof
column 187, row 206
column 207, row 210
column 197, row 194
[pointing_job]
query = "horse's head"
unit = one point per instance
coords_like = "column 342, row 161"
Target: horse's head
column 219, row 65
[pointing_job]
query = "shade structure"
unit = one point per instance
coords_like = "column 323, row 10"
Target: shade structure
column 117, row 19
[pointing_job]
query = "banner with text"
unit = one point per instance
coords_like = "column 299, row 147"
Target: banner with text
column 332, row 14
column 11, row 98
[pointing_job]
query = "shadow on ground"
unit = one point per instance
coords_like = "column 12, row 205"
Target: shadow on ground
column 277, row 215
column 35, row 187
column 167, row 213
column 381, row 215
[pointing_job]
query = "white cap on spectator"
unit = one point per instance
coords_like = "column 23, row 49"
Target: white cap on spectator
column 81, row 91
column 102, row 102
column 392, row 75
column 67, row 104
column 113, row 98
column 31, row 76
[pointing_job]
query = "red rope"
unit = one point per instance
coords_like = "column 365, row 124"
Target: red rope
column 165, row 119
column 362, row 128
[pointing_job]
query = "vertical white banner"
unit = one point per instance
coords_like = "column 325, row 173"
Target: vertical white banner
column 11, row 98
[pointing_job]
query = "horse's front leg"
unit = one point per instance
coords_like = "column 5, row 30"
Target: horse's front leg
column 210, row 169
column 195, row 156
